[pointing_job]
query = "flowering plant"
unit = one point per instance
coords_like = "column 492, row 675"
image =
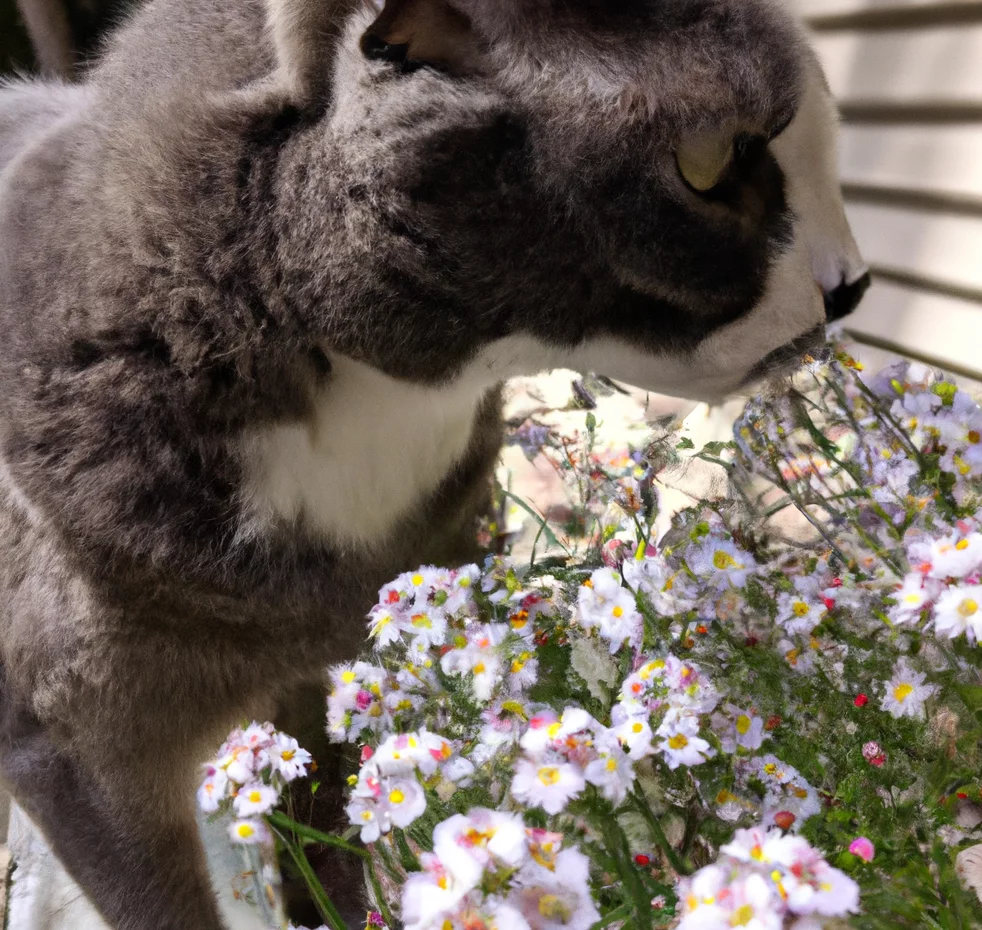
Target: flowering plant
column 737, row 724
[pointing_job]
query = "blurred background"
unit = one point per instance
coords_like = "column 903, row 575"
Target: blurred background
column 908, row 75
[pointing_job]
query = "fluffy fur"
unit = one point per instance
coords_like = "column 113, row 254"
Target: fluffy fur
column 258, row 292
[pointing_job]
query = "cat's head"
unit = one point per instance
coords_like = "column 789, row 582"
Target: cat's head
column 644, row 188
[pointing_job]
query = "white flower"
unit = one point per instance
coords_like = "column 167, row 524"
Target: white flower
column 248, row 832
column 383, row 627
column 634, row 734
column 612, row 772
column 403, row 800
column 288, row 758
column 213, row 790
column 959, row 610
column 603, row 604
column 429, row 895
column 549, row 785
column 681, row 743
column 557, row 897
column 721, row 562
column 481, row 658
column 254, row 799
column 363, row 812
column 738, row 728
column 916, row 593
column 905, row 693
column 955, row 556
column 797, row 613
column 428, row 627
column 482, row 840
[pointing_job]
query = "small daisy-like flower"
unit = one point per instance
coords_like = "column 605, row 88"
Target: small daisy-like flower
column 558, row 898
column 254, row 799
column 682, row 745
column 288, row 758
column 721, row 562
column 363, row 812
column 955, row 556
column 213, row 790
column 612, row 773
column 248, row 832
column 546, row 784
column 914, row 595
column 905, row 693
column 634, row 734
column 383, row 627
column 959, row 610
column 605, row 605
column 739, row 729
column 404, row 801
column 479, row 841
column 799, row 614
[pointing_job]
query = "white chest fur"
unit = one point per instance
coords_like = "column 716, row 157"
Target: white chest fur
column 373, row 447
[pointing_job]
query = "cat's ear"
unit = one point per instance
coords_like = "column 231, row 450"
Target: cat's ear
column 305, row 34
column 418, row 33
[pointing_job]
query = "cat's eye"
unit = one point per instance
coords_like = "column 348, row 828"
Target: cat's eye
column 704, row 159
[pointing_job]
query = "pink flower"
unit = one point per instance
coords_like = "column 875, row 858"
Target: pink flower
column 863, row 848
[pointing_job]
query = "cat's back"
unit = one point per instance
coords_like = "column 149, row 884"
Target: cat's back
column 188, row 48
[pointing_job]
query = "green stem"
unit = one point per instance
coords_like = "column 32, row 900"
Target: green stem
column 614, row 843
column 621, row 913
column 675, row 860
column 379, row 895
column 280, row 819
column 325, row 907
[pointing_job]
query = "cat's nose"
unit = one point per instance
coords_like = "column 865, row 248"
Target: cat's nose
column 841, row 301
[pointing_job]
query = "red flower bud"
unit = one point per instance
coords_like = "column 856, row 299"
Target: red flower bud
column 861, row 700
column 642, row 860
column 785, row 819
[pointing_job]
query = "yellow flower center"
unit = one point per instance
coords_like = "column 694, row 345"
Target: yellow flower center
column 287, row 755
column 902, row 692
column 679, row 741
column 800, row 608
column 968, row 607
column 549, row 776
column 348, row 677
column 742, row 724
column 974, row 437
column 742, row 916
column 480, row 668
column 723, row 560
column 637, row 728
column 245, row 830
column 554, row 908
column 962, row 545
column 417, row 579
column 611, row 765
column 618, row 612
column 255, row 796
column 396, row 797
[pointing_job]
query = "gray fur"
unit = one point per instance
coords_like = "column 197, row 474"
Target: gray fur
column 187, row 239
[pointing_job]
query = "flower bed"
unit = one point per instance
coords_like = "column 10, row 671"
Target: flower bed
column 724, row 727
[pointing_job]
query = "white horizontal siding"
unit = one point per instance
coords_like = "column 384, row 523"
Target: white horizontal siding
column 908, row 75
column 942, row 63
column 934, row 246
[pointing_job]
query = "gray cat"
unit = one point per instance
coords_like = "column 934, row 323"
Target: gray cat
column 262, row 274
